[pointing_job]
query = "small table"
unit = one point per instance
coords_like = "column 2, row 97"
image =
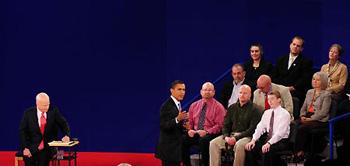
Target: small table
column 72, row 152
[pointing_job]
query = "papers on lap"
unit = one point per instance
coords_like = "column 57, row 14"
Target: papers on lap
column 60, row 143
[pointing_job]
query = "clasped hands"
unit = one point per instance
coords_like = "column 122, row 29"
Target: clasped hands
column 230, row 140
column 304, row 119
column 201, row 133
column 26, row 151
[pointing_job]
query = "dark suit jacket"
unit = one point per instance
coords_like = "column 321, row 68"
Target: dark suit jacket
column 29, row 129
column 170, row 138
column 298, row 75
column 227, row 91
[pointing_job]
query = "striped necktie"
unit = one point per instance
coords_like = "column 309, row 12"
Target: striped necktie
column 201, row 120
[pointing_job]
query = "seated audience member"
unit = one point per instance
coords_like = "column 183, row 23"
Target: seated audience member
column 337, row 72
column 239, row 124
column 294, row 70
column 314, row 113
column 206, row 118
column 265, row 86
column 256, row 65
column 271, row 134
column 38, row 127
column 229, row 92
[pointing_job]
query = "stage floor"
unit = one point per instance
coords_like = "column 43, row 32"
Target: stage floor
column 7, row 158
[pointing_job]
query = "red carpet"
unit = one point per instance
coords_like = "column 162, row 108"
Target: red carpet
column 96, row 159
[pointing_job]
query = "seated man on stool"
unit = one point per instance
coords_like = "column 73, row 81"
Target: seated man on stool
column 206, row 118
column 39, row 127
column 239, row 124
column 271, row 134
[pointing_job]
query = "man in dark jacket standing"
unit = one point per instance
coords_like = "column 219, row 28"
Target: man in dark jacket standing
column 171, row 126
column 38, row 127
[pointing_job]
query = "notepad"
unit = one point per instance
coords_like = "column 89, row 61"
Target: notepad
column 60, row 143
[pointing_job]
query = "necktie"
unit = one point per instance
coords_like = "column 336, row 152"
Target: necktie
column 271, row 125
column 42, row 129
column 267, row 105
column 179, row 106
column 202, row 117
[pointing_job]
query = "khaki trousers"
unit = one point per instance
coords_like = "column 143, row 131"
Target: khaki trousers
column 217, row 144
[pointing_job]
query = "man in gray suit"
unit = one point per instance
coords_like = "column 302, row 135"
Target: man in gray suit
column 264, row 86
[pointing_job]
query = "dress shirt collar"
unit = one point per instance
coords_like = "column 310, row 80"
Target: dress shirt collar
column 207, row 100
column 244, row 105
column 293, row 56
column 176, row 102
column 277, row 108
column 239, row 83
column 38, row 113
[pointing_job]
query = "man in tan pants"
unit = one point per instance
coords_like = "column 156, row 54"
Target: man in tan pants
column 239, row 125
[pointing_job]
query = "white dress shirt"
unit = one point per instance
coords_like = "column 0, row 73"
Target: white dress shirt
column 235, row 91
column 281, row 124
column 291, row 60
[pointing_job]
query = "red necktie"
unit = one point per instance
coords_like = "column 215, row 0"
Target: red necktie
column 42, row 129
column 267, row 105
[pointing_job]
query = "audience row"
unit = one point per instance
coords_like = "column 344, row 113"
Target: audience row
column 250, row 115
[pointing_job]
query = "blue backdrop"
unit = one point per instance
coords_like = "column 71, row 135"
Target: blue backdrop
column 108, row 64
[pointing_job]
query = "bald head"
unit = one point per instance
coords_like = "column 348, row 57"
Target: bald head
column 208, row 90
column 42, row 102
column 245, row 93
column 264, row 83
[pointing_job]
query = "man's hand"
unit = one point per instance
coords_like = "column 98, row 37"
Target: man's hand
column 65, row 139
column 191, row 133
column 182, row 115
column 230, row 140
column 265, row 148
column 26, row 152
column 249, row 146
column 202, row 133
column 305, row 119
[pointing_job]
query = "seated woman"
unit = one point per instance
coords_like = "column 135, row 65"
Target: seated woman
column 314, row 112
column 256, row 66
column 337, row 72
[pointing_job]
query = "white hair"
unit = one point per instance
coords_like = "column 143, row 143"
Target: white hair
column 41, row 95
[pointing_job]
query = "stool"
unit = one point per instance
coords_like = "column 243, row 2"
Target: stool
column 197, row 148
column 18, row 158
column 227, row 155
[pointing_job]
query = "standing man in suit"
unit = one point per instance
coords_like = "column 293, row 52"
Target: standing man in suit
column 171, row 126
column 294, row 70
column 38, row 127
column 265, row 86
column 230, row 90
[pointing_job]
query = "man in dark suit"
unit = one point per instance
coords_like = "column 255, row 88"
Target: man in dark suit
column 294, row 71
column 171, row 126
column 230, row 90
column 38, row 127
